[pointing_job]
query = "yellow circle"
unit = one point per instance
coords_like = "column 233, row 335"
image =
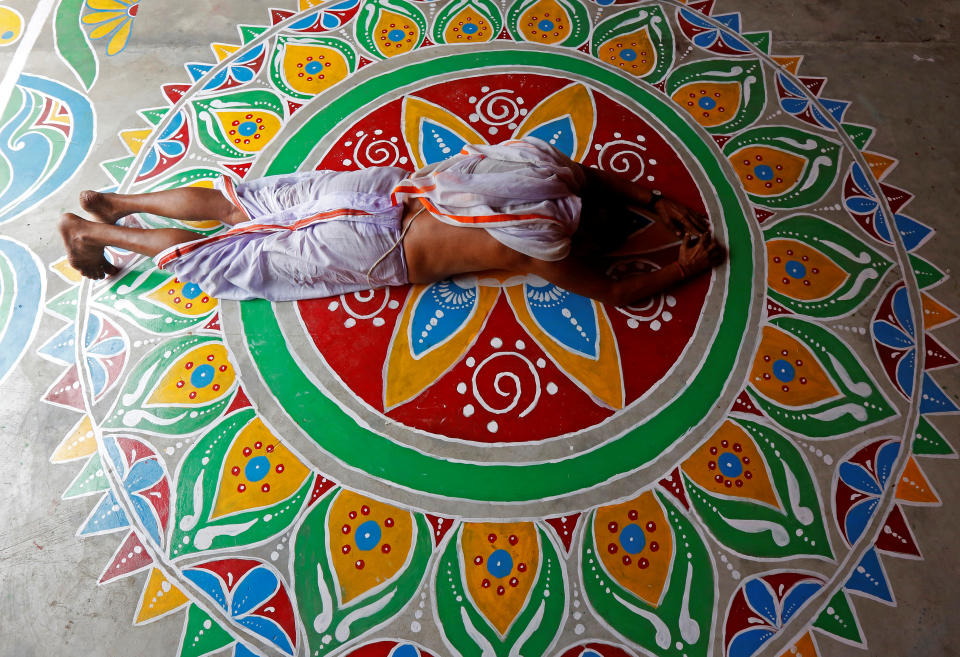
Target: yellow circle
column 11, row 26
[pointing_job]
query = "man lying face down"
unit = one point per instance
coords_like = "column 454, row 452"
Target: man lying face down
column 521, row 206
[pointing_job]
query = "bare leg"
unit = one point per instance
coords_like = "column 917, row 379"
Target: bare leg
column 184, row 203
column 85, row 241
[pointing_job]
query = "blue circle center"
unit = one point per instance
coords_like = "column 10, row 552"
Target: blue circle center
column 202, row 376
column 7, row 35
column 632, row 539
column 368, row 535
column 313, row 67
column 395, row 35
column 784, row 371
column 730, row 465
column 628, row 54
column 707, row 103
column 546, row 25
column 191, row 290
column 257, row 468
column 470, row 28
column 247, row 128
column 796, row 269
column 500, row 563
column 763, row 172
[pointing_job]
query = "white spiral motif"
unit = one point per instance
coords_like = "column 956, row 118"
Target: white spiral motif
column 376, row 300
column 377, row 151
column 624, row 157
column 497, row 108
column 515, row 393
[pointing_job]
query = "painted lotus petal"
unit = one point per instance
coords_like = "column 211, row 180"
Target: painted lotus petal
column 682, row 621
column 839, row 396
column 891, row 336
column 796, row 598
column 302, row 67
column 760, row 599
column 537, row 311
column 169, row 147
column 467, row 21
column 156, row 301
column 759, row 499
column 232, row 491
column 816, row 269
column 565, row 119
column 857, row 477
column 433, row 133
column 409, row 371
column 253, row 589
column 339, row 603
column 706, row 35
column 863, row 475
column 386, row 28
column 209, row 584
column 637, row 41
column 550, row 22
column 781, row 167
column 721, row 95
column 239, row 124
column 151, row 399
column 748, row 642
column 515, row 560
column 905, row 369
column 795, row 101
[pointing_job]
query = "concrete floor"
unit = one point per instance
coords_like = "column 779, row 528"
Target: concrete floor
column 896, row 61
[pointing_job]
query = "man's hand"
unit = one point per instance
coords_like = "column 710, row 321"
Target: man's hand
column 698, row 252
column 680, row 217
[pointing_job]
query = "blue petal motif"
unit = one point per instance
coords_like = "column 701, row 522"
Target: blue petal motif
column 441, row 311
column 887, row 334
column 797, row 597
column 559, row 133
column 410, row 650
column 243, row 651
column 748, row 642
column 901, row 309
column 905, row 369
column 60, row 347
column 860, row 178
column 209, row 584
column 886, row 457
column 912, row 231
column 256, row 587
column 437, row 142
column 143, row 475
column 870, row 579
column 857, row 518
column 107, row 517
column 568, row 318
column 856, row 476
column 793, row 105
column 147, row 517
column 268, row 630
column 934, row 400
column 760, row 598
column 861, row 205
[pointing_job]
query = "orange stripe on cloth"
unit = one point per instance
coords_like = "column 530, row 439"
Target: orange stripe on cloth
column 229, row 185
column 420, row 192
column 189, row 247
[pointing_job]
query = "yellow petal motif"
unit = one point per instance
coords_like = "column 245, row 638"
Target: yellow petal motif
column 786, row 372
column 798, row 270
column 309, row 69
column 416, row 111
column 766, row 171
column 108, row 5
column 721, row 104
column 545, row 22
column 633, row 53
column 200, row 376
column 395, row 34
column 107, row 27
column 574, row 101
column 183, row 298
column 468, row 26
column 119, row 40
column 251, row 130
column 80, row 442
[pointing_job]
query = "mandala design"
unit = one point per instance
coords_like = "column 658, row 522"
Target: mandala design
column 491, row 465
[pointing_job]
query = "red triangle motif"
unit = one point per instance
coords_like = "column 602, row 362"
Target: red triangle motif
column 743, row 404
column 673, row 484
column 585, row 48
column 174, row 92
column 293, row 107
column 896, row 538
column 240, row 401
column 704, row 7
column 937, row 355
column 363, row 61
column 504, row 35
column 320, row 486
column 762, row 215
column 441, row 526
column 774, row 309
column 279, row 15
column 565, row 526
column 662, row 86
column 214, row 323
column 896, row 197
column 64, row 393
column 129, row 558
column 241, row 169
column 721, row 140
column 815, row 85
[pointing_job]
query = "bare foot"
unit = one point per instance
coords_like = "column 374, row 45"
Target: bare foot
column 101, row 206
column 85, row 254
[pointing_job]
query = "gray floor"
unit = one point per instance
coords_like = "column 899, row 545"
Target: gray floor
column 897, row 61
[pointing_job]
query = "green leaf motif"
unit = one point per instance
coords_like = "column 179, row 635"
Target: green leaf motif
column 681, row 624
column 755, row 529
column 550, row 22
column 782, row 167
column 156, row 301
column 331, row 616
column 153, row 399
column 927, row 441
column 927, row 274
column 88, row 481
column 637, row 41
column 817, row 269
column 238, row 125
column 723, row 96
column 466, row 628
column 72, row 43
column 839, row 620
column 840, row 395
column 211, row 513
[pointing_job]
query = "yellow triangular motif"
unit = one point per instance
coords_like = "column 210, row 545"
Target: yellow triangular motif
column 134, row 138
column 879, row 164
column 159, row 597
column 935, row 313
column 80, row 442
column 790, row 63
column 223, row 50
column 68, row 273
column 914, row 487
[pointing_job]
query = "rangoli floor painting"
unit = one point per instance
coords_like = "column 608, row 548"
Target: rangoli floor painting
column 484, row 467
